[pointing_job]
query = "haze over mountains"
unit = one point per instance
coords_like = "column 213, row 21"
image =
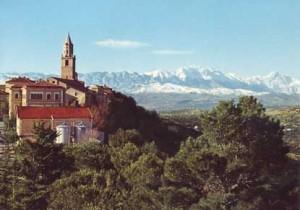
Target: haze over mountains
column 189, row 81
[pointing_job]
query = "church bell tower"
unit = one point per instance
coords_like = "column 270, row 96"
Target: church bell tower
column 68, row 61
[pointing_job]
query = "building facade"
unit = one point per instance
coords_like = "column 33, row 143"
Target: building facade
column 76, row 92
column 25, row 92
column 55, row 117
column 42, row 93
column 101, row 94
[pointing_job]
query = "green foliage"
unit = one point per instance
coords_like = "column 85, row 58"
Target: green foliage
column 239, row 162
column 10, row 134
column 122, row 112
column 212, row 201
column 122, row 137
column 194, row 171
column 290, row 119
column 146, row 171
column 7, row 177
column 9, row 123
column 246, row 132
column 7, row 165
column 131, row 115
column 190, row 117
column 85, row 188
column 123, row 156
column 91, row 155
column 44, row 135
column 35, row 165
column 141, row 166
column 42, row 161
column 240, row 155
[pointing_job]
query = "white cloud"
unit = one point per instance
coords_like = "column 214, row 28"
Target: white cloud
column 172, row 52
column 112, row 43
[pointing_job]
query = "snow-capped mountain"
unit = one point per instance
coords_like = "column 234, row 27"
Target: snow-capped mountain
column 185, row 80
column 32, row 75
column 277, row 82
column 194, row 80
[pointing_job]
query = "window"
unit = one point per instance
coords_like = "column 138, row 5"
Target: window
column 16, row 95
column 36, row 96
column 56, row 96
column 48, row 96
column 66, row 62
column 75, row 93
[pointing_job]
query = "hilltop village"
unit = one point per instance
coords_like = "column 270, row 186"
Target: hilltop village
column 63, row 103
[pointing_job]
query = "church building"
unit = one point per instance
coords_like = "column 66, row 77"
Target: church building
column 76, row 92
column 62, row 102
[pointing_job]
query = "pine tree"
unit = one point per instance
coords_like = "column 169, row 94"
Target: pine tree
column 40, row 163
column 240, row 155
column 7, row 173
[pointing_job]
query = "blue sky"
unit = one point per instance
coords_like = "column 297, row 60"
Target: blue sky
column 247, row 37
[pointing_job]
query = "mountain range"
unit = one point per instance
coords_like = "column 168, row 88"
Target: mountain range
column 187, row 81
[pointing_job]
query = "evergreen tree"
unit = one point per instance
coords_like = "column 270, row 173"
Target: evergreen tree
column 90, row 155
column 7, row 171
column 89, row 189
column 239, row 162
column 239, row 155
column 40, row 163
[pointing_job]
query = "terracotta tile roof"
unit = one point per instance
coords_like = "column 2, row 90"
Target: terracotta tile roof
column 37, row 84
column 23, row 80
column 28, row 112
column 42, row 84
column 73, row 84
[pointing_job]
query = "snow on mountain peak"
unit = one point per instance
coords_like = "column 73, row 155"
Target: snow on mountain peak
column 184, row 73
column 158, row 74
column 185, row 80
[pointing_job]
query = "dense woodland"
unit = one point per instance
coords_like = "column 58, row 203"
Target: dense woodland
column 237, row 161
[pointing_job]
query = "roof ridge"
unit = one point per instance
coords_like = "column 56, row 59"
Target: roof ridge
column 65, row 112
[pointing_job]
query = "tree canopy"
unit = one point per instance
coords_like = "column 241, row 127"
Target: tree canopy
column 239, row 162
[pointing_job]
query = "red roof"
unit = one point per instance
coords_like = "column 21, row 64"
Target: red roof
column 22, row 80
column 28, row 112
column 42, row 84
column 19, row 82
